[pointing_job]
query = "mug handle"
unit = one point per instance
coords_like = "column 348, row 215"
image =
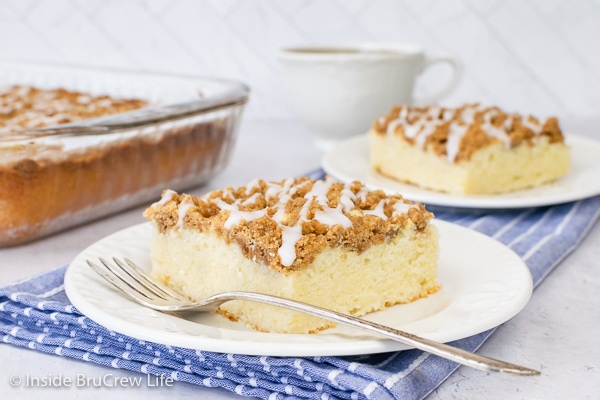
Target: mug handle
column 449, row 88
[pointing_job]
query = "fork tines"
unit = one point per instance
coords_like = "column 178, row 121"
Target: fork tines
column 129, row 278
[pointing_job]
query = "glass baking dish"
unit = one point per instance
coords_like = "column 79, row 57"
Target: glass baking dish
column 64, row 175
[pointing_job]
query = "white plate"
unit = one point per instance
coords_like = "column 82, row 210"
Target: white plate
column 483, row 284
column 349, row 161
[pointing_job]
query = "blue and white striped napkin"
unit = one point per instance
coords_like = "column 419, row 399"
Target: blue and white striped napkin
column 37, row 314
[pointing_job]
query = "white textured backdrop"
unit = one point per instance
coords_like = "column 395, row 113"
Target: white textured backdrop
column 537, row 56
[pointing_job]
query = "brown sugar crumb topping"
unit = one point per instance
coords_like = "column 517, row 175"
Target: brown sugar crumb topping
column 457, row 133
column 25, row 107
column 286, row 224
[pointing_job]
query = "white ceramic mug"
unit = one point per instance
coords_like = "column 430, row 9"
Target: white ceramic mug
column 338, row 92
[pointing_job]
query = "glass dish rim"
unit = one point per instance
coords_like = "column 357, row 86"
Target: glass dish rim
column 234, row 93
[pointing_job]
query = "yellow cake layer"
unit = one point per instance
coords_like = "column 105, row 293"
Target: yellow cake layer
column 492, row 169
column 201, row 264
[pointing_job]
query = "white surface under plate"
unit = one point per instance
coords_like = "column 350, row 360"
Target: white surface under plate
column 349, row 161
column 483, row 284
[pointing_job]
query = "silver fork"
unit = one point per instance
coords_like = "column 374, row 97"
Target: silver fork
column 144, row 289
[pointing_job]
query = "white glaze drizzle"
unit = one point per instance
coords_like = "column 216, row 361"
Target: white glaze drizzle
column 332, row 216
column 419, row 125
column 251, row 200
column 284, row 192
column 425, row 133
column 378, row 211
column 457, row 132
column 166, row 197
column 346, row 198
column 391, row 128
column 255, row 183
column 402, row 208
column 410, row 131
column 184, row 206
column 236, row 215
column 290, row 235
column 493, row 131
column 536, row 128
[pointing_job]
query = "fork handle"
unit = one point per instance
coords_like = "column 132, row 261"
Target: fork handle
column 439, row 349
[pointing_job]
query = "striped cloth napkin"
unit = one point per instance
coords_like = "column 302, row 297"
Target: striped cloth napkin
column 37, row 314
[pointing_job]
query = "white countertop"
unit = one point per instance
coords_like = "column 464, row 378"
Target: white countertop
column 557, row 331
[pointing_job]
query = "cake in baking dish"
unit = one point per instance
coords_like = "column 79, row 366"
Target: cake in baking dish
column 50, row 183
column 468, row 150
column 334, row 245
column 29, row 107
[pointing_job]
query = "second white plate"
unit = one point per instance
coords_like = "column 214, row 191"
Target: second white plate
column 349, row 161
column 483, row 282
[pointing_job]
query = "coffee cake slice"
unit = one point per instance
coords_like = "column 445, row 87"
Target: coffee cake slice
column 334, row 245
column 468, row 150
